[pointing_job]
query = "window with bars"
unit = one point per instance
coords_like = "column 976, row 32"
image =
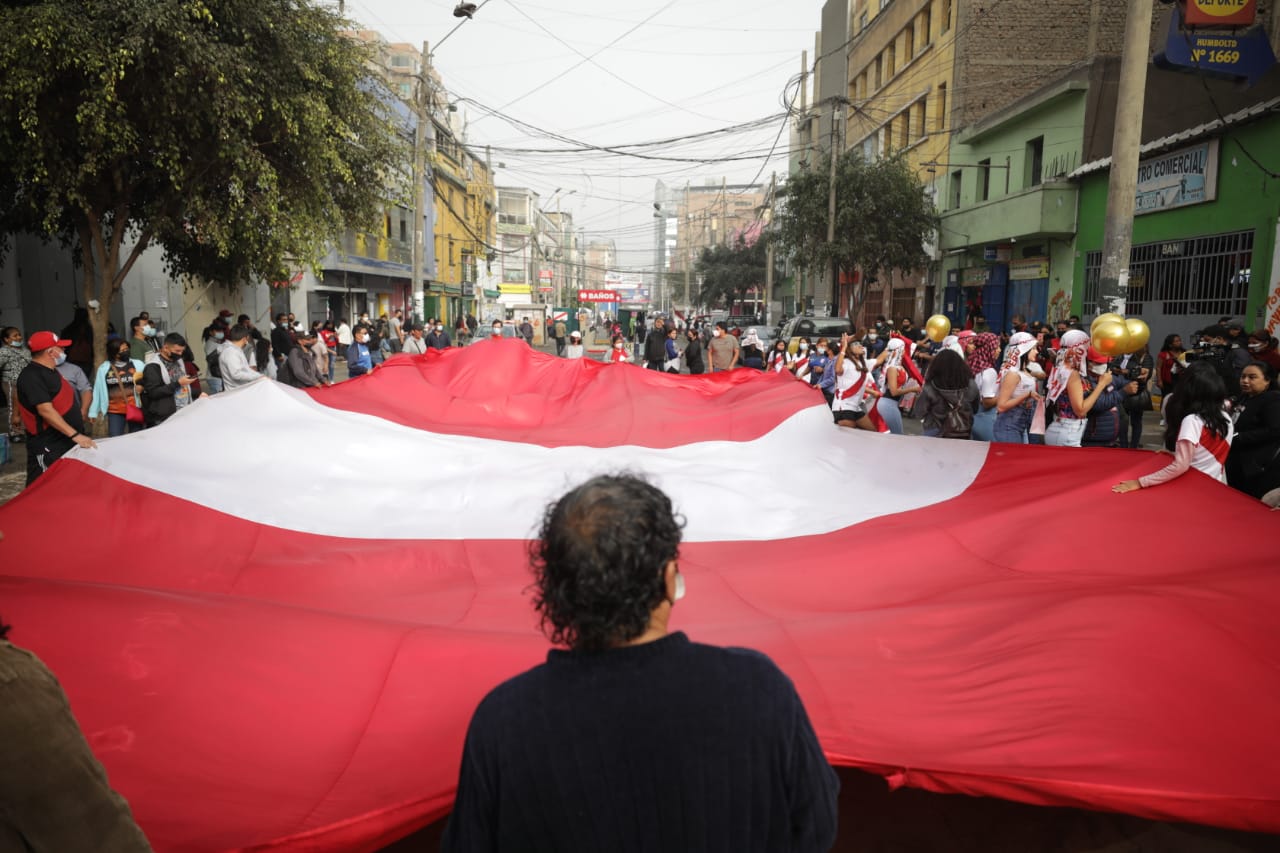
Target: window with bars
column 1197, row 276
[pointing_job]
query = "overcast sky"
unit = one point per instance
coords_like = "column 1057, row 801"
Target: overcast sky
column 659, row 69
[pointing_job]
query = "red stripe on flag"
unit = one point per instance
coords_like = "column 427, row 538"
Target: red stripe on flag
column 259, row 686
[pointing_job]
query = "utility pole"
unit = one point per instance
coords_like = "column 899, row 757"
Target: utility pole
column 768, row 246
column 1117, row 240
column 801, row 273
column 688, row 258
column 831, row 201
column 422, row 112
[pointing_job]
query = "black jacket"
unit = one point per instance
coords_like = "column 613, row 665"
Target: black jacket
column 655, row 346
column 693, row 357
column 160, row 404
column 1252, row 464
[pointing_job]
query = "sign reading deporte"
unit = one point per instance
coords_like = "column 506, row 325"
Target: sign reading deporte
column 1222, row 13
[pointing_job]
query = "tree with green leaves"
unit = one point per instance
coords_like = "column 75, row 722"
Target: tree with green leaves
column 241, row 136
column 728, row 273
column 884, row 218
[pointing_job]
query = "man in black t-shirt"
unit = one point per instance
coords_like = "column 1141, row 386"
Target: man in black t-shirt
column 49, row 406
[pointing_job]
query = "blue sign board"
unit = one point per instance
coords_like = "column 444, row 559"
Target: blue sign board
column 1219, row 53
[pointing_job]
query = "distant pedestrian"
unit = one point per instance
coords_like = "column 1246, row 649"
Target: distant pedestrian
column 561, row 330
column 415, row 344
column 575, row 348
column 359, row 358
column 166, row 382
column 526, row 331
column 438, row 337
column 693, row 354
column 723, row 349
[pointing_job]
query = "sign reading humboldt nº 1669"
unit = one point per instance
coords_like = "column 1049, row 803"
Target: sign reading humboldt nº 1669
column 1179, row 178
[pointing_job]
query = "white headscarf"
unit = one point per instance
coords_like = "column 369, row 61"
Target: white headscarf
column 952, row 343
column 1019, row 345
column 1073, row 348
column 893, row 352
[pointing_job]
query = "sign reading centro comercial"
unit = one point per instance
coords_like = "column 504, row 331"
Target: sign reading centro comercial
column 1222, row 13
column 597, row 296
column 1179, row 178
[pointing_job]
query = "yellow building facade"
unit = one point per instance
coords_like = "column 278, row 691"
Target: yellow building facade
column 464, row 225
column 901, row 65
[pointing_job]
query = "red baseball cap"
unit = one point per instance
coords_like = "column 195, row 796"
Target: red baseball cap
column 1098, row 357
column 43, row 340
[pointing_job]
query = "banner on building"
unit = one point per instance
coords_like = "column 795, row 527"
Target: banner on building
column 515, row 288
column 1028, row 269
column 975, row 276
column 1179, row 178
column 1272, row 308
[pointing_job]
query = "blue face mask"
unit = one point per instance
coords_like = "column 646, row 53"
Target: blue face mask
column 15, row 344
column 217, row 336
column 60, row 359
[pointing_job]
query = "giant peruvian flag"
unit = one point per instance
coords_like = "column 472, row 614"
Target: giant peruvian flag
column 275, row 613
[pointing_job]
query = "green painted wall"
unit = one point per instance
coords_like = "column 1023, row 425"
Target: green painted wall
column 1247, row 198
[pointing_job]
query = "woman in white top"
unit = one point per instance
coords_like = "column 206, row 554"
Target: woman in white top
column 575, row 348
column 1016, row 399
column 1198, row 430
column 853, row 385
column 344, row 336
column 984, row 349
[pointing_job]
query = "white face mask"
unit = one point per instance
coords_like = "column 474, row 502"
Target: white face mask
column 61, row 358
column 873, row 336
column 17, row 343
column 803, row 347
column 679, row 586
column 217, row 336
column 497, row 331
column 716, row 333
column 1255, row 347
column 149, row 331
column 362, row 338
column 439, row 328
column 617, row 346
column 1097, row 369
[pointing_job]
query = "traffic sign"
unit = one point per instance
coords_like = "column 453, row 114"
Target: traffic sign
column 1216, row 53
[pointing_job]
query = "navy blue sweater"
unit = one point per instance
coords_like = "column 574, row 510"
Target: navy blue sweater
column 664, row 746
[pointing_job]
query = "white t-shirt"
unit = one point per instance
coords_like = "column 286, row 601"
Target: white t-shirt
column 988, row 382
column 1208, row 453
column 574, row 351
column 850, row 377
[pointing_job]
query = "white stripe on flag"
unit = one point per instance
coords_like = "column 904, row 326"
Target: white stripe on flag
column 338, row 473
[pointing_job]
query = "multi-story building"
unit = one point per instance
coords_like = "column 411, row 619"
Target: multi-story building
column 921, row 71
column 464, row 232
column 706, row 216
column 519, row 252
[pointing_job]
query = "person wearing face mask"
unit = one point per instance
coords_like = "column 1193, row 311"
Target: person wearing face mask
column 1262, row 347
column 359, row 359
column 578, row 732
column 575, row 349
column 800, row 364
column 415, row 344
column 234, row 358
column 115, row 390
column 165, row 381
column 1016, row 395
column 215, row 337
column 723, row 350
column 302, row 371
column 873, row 343
column 1074, row 389
column 693, row 353
column 1105, row 425
column 48, row 406
column 14, row 356
column 618, row 353
column 142, row 340
column 282, row 338
column 438, row 337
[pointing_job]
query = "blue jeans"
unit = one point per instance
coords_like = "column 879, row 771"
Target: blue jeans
column 984, row 424
column 1012, row 426
column 333, row 362
column 119, row 425
column 888, row 409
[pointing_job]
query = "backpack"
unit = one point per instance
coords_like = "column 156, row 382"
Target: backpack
column 958, row 422
column 215, row 369
column 285, row 374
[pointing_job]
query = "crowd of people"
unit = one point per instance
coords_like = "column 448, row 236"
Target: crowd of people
column 1036, row 383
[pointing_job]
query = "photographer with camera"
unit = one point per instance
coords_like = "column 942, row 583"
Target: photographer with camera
column 1136, row 369
column 1213, row 348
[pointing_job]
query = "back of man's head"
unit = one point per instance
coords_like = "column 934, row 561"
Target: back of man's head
column 599, row 561
column 173, row 339
column 237, row 333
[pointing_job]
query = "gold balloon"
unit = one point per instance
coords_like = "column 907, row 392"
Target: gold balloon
column 937, row 328
column 1105, row 318
column 1139, row 334
column 1111, row 338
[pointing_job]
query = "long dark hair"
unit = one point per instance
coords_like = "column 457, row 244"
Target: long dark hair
column 1202, row 392
column 948, row 372
column 1168, row 342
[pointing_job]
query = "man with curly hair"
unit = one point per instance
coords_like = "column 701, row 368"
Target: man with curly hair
column 633, row 738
